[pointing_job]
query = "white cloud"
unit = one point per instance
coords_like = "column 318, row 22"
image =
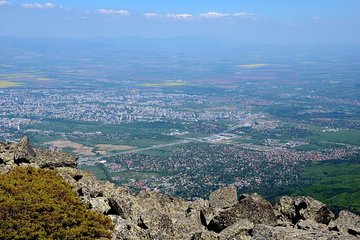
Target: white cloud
column 213, row 15
column 65, row 8
column 315, row 18
column 113, row 12
column 150, row 14
column 245, row 15
column 38, row 5
column 4, row 3
column 181, row 16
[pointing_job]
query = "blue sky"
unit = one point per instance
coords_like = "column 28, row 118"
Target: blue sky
column 248, row 21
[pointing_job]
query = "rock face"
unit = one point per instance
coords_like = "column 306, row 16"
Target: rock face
column 24, row 151
column 294, row 209
column 252, row 207
column 54, row 159
column 14, row 154
column 242, row 229
column 265, row 232
column 223, row 198
column 347, row 222
column 152, row 215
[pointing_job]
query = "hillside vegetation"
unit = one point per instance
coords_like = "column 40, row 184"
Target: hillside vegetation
column 336, row 183
column 38, row 204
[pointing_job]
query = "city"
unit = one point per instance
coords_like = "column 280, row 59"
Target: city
column 254, row 129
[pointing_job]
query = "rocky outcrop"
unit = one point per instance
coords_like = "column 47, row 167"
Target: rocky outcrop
column 265, row 232
column 294, row 209
column 15, row 154
column 223, row 197
column 346, row 223
column 252, row 207
column 242, row 229
column 54, row 159
column 24, row 151
column 152, row 215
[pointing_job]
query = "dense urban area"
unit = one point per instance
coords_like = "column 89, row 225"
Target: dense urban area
column 254, row 122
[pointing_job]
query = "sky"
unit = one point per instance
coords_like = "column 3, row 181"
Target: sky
column 326, row 22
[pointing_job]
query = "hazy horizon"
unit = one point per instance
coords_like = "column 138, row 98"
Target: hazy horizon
column 244, row 22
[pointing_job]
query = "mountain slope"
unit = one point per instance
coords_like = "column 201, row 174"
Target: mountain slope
column 152, row 215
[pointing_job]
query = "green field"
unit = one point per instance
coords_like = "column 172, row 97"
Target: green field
column 7, row 84
column 254, row 65
column 139, row 134
column 351, row 137
column 164, row 84
column 159, row 152
column 144, row 142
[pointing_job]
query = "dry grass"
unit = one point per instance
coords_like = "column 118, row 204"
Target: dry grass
column 7, row 84
column 78, row 148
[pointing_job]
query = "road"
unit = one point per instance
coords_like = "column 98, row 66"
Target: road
column 180, row 142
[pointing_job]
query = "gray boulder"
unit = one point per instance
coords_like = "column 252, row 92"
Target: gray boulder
column 223, row 197
column 157, row 224
column 125, row 231
column 7, row 154
column 310, row 224
column 54, row 159
column 17, row 153
column 252, row 207
column 294, row 209
column 265, row 232
column 24, row 152
column 121, row 207
column 100, row 204
column 240, row 230
column 207, row 214
column 204, row 236
column 346, row 223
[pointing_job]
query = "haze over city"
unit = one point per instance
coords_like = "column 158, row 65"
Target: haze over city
column 160, row 114
column 321, row 22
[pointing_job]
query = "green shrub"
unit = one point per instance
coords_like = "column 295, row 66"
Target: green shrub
column 38, row 204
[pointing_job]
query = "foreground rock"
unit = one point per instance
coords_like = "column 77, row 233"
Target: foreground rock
column 24, row 151
column 223, row 198
column 265, row 232
column 15, row 154
column 152, row 215
column 294, row 209
column 242, row 229
column 252, row 207
column 346, row 223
